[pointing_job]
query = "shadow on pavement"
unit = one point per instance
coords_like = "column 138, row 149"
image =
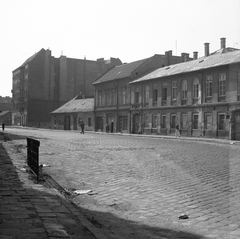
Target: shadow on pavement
column 30, row 211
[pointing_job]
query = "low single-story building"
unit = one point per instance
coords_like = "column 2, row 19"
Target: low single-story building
column 6, row 117
column 68, row 116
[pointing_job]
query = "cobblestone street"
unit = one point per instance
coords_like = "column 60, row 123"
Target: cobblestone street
column 141, row 185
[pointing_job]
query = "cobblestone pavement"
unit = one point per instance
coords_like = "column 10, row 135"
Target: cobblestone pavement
column 143, row 184
column 32, row 211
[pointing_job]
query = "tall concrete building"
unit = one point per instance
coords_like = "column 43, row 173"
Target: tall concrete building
column 43, row 83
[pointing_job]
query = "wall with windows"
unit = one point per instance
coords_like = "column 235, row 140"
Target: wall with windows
column 200, row 102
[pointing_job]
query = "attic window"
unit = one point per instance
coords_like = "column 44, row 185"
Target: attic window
column 201, row 61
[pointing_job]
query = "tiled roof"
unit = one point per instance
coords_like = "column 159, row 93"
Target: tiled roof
column 120, row 72
column 218, row 58
column 76, row 105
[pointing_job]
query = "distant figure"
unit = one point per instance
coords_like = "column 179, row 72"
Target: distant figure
column 3, row 126
column 177, row 132
column 82, row 126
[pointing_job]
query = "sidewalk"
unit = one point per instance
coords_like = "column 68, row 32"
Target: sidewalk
column 29, row 210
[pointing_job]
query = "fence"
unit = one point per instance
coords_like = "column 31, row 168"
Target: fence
column 33, row 156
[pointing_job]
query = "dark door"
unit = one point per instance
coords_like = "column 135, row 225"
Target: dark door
column 74, row 122
column 136, row 124
column 237, row 125
column 67, row 123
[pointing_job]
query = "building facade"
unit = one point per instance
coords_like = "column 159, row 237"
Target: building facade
column 202, row 96
column 113, row 92
column 43, row 83
column 68, row 116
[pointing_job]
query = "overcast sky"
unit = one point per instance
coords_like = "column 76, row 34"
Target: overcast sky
column 127, row 29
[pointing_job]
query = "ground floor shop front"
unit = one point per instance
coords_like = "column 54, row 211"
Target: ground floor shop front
column 218, row 121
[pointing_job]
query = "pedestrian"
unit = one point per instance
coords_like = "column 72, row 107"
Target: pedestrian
column 82, row 127
column 3, row 126
column 177, row 132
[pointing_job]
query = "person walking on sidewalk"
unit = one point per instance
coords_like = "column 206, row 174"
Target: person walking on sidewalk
column 177, row 132
column 3, row 126
column 82, row 126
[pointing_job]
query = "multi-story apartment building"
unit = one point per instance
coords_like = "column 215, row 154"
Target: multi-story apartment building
column 202, row 96
column 43, row 83
column 113, row 92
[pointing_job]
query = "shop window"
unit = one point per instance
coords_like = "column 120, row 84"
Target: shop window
column 208, row 121
column 146, row 120
column 221, row 122
column 154, row 121
column 164, row 121
column 173, row 121
column 195, row 121
column 184, row 121
column 89, row 122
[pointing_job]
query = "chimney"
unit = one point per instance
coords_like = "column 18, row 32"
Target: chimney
column 206, row 49
column 195, row 55
column 168, row 55
column 185, row 57
column 223, row 42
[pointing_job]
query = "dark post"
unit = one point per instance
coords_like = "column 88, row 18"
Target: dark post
column 33, row 156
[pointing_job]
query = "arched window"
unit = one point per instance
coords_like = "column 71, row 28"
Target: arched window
column 184, row 89
column 195, row 88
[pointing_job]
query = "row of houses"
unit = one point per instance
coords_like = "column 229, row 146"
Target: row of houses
column 152, row 95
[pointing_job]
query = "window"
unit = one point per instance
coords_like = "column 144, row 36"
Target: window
column 146, row 120
column 89, row 122
column 184, row 121
column 174, row 90
column 122, row 123
column 208, row 121
column 164, row 121
column 155, row 95
column 113, row 97
column 164, row 92
column 146, row 95
column 184, row 90
column 107, row 97
column 173, row 121
column 195, row 88
column 137, row 96
column 99, row 98
column 123, row 95
column 154, row 121
column 209, row 86
column 222, row 84
column 221, row 122
column 195, row 121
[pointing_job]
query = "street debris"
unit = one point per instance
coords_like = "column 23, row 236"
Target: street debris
column 79, row 192
column 23, row 170
column 183, row 216
column 231, row 142
column 44, row 165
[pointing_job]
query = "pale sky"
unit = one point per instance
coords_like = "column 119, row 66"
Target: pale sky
column 127, row 29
